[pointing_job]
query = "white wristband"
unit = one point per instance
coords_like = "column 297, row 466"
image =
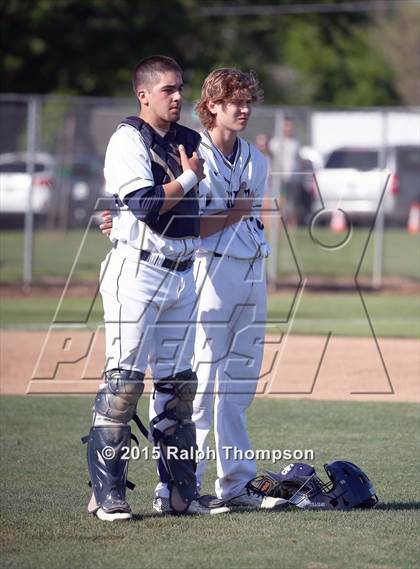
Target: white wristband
column 188, row 180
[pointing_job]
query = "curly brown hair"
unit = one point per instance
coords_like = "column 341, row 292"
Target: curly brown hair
column 223, row 86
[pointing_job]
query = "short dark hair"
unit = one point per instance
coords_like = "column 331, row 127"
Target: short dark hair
column 148, row 70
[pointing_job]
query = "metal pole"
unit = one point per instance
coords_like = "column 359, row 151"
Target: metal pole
column 378, row 259
column 276, row 194
column 33, row 109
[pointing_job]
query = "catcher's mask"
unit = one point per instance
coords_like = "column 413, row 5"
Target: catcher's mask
column 349, row 487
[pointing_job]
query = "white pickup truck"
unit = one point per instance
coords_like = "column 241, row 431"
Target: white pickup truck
column 352, row 181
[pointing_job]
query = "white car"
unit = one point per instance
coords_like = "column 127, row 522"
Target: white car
column 15, row 183
column 352, row 181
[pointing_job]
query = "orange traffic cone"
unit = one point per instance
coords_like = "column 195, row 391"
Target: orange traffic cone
column 413, row 224
column 338, row 222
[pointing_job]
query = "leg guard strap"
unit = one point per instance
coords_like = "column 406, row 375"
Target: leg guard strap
column 183, row 387
column 178, row 452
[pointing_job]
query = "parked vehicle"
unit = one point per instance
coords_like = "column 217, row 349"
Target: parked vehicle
column 80, row 182
column 407, row 179
column 16, row 183
column 353, row 180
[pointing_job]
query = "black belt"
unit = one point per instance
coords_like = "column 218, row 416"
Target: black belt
column 218, row 255
column 169, row 264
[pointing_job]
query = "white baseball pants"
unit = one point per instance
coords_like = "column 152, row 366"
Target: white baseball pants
column 148, row 312
column 228, row 356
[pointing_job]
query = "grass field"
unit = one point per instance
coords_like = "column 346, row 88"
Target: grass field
column 400, row 254
column 342, row 314
column 55, row 252
column 44, row 492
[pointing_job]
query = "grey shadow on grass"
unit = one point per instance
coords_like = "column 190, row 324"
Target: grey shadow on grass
column 398, row 506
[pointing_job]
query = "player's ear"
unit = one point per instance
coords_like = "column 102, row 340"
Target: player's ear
column 142, row 96
column 212, row 107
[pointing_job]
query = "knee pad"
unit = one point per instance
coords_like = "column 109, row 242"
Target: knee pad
column 183, row 387
column 117, row 398
column 177, row 443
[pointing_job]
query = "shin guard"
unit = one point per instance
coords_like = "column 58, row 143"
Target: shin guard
column 107, row 453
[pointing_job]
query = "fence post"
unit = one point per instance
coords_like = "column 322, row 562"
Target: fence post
column 378, row 258
column 274, row 229
column 31, row 147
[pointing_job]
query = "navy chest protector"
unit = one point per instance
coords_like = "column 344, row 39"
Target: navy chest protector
column 182, row 220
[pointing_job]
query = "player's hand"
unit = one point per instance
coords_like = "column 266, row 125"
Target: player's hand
column 194, row 163
column 106, row 226
column 244, row 201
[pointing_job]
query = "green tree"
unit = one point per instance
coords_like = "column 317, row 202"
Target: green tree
column 332, row 67
column 89, row 47
column 397, row 37
column 86, row 47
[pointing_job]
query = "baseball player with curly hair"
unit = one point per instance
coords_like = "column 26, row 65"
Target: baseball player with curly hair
column 148, row 292
column 230, row 278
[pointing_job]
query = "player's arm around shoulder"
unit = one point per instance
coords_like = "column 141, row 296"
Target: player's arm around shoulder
column 216, row 222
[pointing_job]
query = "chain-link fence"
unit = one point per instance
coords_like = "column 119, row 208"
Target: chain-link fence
column 366, row 163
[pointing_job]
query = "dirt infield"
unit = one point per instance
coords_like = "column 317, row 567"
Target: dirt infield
column 70, row 361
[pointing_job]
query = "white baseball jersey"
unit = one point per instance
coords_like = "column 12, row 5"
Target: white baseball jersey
column 231, row 314
column 244, row 240
column 127, row 169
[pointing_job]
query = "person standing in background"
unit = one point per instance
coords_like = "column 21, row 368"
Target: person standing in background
column 287, row 162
